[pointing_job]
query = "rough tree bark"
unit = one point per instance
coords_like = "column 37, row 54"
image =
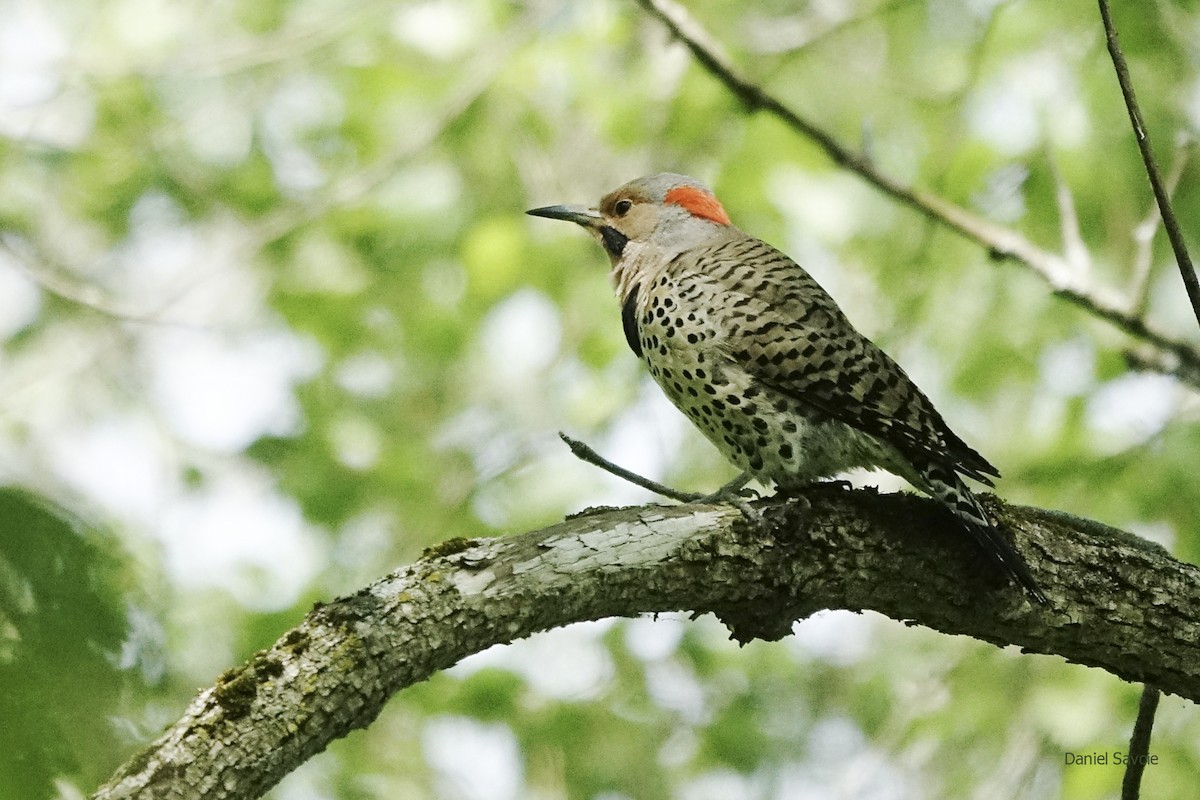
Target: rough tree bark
column 1118, row 603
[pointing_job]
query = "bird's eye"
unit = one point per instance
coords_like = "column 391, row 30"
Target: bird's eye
column 622, row 207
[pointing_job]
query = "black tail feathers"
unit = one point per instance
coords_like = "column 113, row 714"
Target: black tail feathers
column 945, row 485
column 1004, row 556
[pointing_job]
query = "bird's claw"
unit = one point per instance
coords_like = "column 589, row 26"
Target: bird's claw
column 727, row 495
column 751, row 514
column 736, row 494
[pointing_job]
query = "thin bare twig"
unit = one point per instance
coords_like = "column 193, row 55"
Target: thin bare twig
column 730, row 493
column 585, row 453
column 1139, row 744
column 1000, row 241
column 1161, row 195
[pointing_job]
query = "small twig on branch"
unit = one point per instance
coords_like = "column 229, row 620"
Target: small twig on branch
column 1161, row 195
column 729, row 493
column 999, row 240
column 585, row 453
column 1139, row 744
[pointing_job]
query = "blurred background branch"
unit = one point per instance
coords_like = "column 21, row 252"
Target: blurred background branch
column 1001, row 242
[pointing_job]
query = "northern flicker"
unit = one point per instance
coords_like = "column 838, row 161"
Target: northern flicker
column 764, row 362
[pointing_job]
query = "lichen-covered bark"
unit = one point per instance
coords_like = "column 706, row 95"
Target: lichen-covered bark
column 1118, row 603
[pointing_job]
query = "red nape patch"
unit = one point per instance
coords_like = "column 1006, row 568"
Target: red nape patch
column 699, row 203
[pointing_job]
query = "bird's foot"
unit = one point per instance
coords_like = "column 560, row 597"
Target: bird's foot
column 751, row 514
column 790, row 502
column 796, row 490
column 735, row 494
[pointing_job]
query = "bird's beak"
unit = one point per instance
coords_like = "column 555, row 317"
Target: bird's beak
column 587, row 217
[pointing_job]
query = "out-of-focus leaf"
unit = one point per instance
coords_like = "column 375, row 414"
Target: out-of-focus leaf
column 65, row 651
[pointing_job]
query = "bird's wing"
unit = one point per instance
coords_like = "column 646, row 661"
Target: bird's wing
column 788, row 333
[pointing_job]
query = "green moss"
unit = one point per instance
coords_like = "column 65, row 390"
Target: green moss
column 267, row 667
column 447, row 548
column 235, row 691
column 296, row 641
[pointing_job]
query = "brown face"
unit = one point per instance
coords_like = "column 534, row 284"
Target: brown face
column 630, row 213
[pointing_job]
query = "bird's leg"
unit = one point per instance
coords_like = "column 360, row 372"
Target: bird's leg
column 733, row 493
column 729, row 493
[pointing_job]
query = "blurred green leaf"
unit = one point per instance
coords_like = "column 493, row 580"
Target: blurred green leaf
column 66, row 656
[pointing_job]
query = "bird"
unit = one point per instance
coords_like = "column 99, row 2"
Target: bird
column 764, row 362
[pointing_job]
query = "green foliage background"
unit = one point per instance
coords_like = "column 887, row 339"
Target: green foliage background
column 273, row 321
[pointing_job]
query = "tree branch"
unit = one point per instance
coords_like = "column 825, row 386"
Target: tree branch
column 1161, row 195
column 1000, row 241
column 1119, row 603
